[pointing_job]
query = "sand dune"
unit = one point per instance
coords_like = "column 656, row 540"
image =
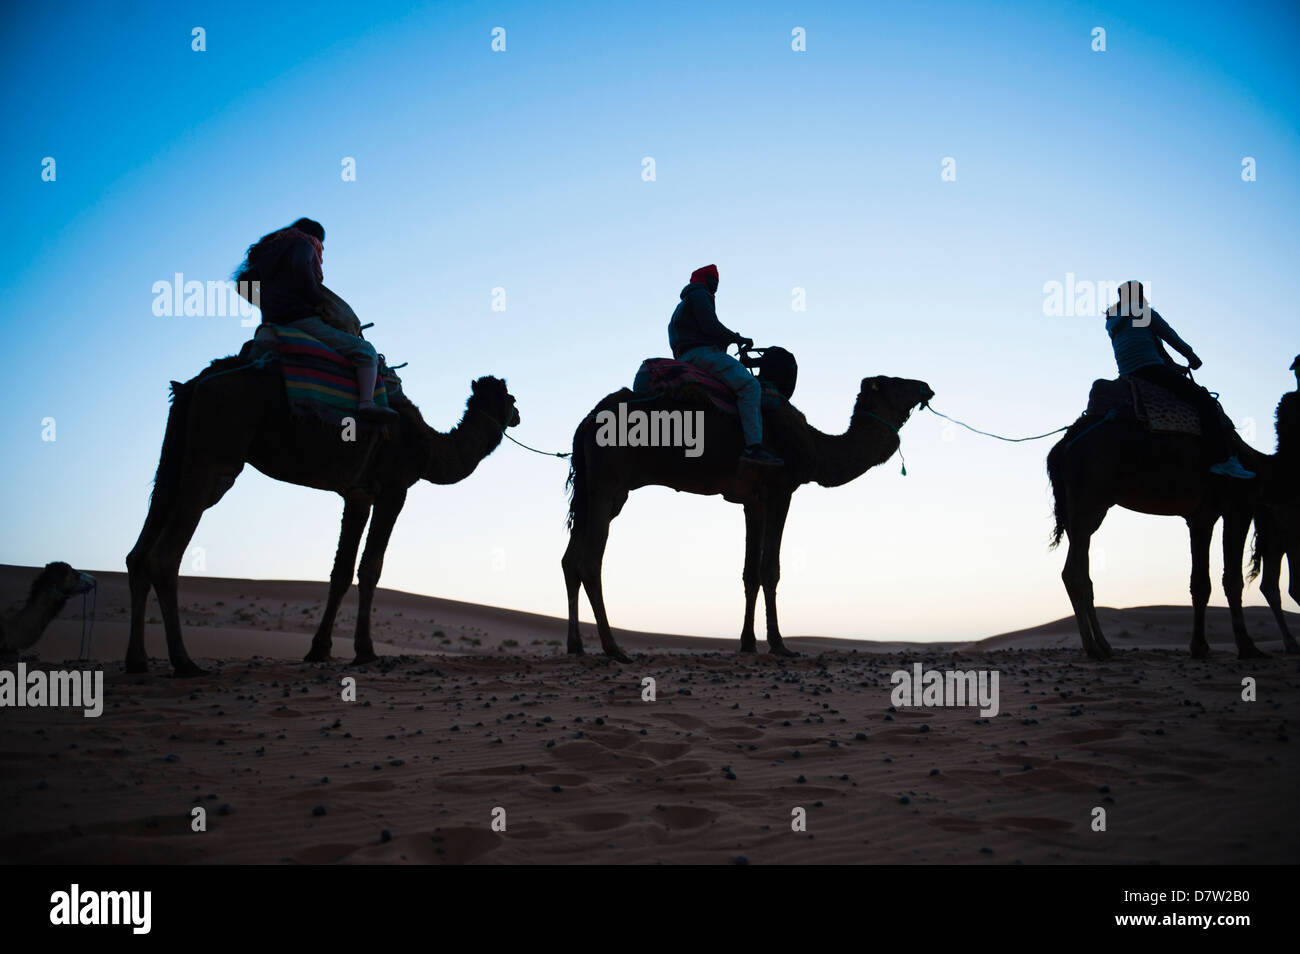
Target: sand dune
column 449, row 730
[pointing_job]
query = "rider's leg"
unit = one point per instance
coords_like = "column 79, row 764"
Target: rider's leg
column 749, row 396
column 357, row 350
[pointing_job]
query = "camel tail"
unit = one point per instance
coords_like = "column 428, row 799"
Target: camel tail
column 577, row 482
column 1256, row 555
column 1055, row 465
column 170, row 461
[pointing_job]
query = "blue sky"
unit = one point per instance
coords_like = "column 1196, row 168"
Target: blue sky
column 522, row 170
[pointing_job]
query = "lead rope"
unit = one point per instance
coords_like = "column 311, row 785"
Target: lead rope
column 87, row 632
column 535, row 450
column 1009, row 440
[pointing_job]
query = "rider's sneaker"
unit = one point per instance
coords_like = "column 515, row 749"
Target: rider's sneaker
column 755, row 454
column 375, row 411
column 1232, row 468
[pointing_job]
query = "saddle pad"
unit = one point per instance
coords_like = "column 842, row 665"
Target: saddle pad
column 679, row 379
column 1156, row 408
column 669, row 376
column 315, row 374
column 1162, row 411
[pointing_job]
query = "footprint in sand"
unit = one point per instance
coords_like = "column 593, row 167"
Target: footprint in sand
column 677, row 817
column 599, row 821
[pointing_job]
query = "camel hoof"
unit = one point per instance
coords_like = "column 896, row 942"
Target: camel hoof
column 618, row 655
column 751, row 648
column 317, row 655
column 1293, row 649
column 362, row 659
column 575, row 649
column 188, row 670
column 137, row 666
column 1251, row 652
column 779, row 649
column 1200, row 650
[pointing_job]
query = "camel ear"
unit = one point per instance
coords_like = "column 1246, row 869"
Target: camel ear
column 875, row 385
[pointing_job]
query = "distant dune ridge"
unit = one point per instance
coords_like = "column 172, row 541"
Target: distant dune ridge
column 236, row 618
column 587, row 770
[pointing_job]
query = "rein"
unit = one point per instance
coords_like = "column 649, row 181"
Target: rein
column 1009, row 440
column 88, row 631
column 506, row 434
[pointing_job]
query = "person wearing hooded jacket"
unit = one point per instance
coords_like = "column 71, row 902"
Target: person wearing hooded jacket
column 287, row 267
column 697, row 337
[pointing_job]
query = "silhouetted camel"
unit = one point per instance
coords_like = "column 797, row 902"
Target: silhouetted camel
column 602, row 477
column 50, row 591
column 1277, row 516
column 226, row 417
column 1119, row 463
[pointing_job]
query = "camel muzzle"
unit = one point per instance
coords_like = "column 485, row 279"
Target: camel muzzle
column 85, row 583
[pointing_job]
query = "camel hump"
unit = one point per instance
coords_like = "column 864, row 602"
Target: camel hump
column 1157, row 409
column 1109, row 394
column 679, row 380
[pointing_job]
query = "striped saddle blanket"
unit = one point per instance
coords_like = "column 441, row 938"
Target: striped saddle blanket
column 316, row 375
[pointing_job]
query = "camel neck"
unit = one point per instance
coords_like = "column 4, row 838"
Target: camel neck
column 451, row 457
column 31, row 620
column 870, row 440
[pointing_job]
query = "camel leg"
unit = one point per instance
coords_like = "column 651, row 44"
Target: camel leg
column 141, row 563
column 1270, row 585
column 572, row 565
column 197, row 492
column 1293, row 587
column 387, row 509
column 356, row 511
column 1201, row 530
column 1235, row 527
column 1078, row 582
column 751, row 576
column 777, row 511
column 593, row 557
column 139, row 583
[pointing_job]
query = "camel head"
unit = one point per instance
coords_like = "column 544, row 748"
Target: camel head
column 490, row 396
column 59, row 581
column 894, row 399
column 1295, row 366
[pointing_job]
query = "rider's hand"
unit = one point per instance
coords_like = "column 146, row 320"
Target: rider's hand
column 1194, row 363
column 745, row 344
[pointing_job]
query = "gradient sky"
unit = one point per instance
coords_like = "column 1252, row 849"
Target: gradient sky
column 522, row 170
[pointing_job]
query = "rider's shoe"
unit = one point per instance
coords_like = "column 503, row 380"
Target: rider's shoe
column 1232, row 468
column 755, row 454
column 375, row 411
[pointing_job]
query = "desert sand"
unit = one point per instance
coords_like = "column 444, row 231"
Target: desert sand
column 476, row 710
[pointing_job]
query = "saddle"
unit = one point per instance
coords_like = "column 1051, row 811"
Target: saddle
column 1157, row 409
column 321, row 387
column 678, row 379
column 318, row 381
